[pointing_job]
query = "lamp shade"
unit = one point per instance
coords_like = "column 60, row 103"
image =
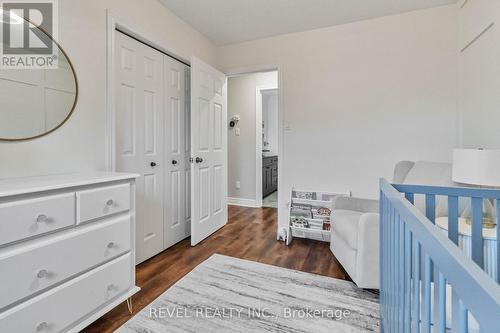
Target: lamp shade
column 476, row 166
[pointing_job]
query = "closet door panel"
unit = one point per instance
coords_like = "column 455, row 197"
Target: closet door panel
column 139, row 135
column 175, row 152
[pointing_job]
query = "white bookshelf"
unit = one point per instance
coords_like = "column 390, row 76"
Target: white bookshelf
column 309, row 214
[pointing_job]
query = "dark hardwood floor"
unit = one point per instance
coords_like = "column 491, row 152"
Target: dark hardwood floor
column 250, row 234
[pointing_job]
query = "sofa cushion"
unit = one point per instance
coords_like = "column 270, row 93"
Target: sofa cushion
column 345, row 224
column 346, row 256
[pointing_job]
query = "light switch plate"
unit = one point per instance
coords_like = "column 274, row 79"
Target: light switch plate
column 237, row 131
column 238, row 185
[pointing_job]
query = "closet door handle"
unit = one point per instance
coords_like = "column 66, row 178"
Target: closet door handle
column 42, row 326
column 41, row 218
column 42, row 274
column 174, row 162
column 198, row 160
column 153, row 164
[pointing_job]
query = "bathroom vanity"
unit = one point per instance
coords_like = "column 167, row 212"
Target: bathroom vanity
column 269, row 174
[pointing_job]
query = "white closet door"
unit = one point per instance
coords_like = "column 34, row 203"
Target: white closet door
column 140, row 134
column 176, row 161
column 209, row 150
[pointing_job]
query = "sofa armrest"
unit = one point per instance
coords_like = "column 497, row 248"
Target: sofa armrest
column 356, row 204
column 367, row 262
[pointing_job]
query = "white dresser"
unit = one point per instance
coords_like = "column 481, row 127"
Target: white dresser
column 66, row 250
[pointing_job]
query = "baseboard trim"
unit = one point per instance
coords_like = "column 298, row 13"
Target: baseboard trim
column 242, row 202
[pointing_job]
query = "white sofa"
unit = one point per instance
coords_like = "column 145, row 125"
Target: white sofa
column 355, row 222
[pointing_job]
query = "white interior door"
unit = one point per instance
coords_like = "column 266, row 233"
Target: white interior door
column 176, row 153
column 208, row 150
column 139, row 135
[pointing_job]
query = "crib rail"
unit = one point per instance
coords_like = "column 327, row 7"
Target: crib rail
column 427, row 282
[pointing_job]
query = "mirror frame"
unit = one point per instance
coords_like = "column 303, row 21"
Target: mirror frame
column 74, row 102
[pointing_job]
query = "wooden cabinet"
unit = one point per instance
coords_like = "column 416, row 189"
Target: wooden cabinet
column 269, row 175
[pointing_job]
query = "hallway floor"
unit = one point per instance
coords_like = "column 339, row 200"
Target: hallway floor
column 250, row 234
column 271, row 200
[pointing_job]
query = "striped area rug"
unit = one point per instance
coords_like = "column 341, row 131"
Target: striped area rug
column 225, row 294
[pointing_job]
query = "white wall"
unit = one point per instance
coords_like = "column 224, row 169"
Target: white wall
column 479, row 80
column 79, row 144
column 241, row 92
column 360, row 97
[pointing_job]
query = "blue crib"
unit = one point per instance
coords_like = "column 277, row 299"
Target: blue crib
column 428, row 284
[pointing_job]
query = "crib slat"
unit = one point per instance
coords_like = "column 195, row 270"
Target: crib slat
column 416, row 288
column 391, row 270
column 410, row 197
column 464, row 318
column 440, row 303
column 401, row 285
column 396, row 273
column 458, row 314
column 498, row 239
column 453, row 219
column 435, row 296
column 407, row 281
column 394, row 265
column 426, row 302
column 477, row 231
column 382, row 260
column 430, row 213
column 430, row 207
column 387, row 266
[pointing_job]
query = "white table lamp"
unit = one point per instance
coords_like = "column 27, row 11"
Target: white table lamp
column 479, row 167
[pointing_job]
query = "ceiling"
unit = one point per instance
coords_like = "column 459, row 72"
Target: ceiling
column 234, row 21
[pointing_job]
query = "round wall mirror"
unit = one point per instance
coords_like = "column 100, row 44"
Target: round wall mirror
column 35, row 101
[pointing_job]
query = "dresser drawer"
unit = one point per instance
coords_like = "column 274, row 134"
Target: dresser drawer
column 61, row 307
column 101, row 202
column 26, row 218
column 42, row 265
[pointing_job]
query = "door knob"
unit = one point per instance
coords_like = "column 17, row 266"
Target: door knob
column 174, row 162
column 42, row 326
column 41, row 218
column 198, row 160
column 153, row 164
column 41, row 274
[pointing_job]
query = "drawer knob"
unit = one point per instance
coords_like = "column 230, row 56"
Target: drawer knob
column 41, row 218
column 110, row 202
column 111, row 245
column 111, row 287
column 42, row 326
column 42, row 274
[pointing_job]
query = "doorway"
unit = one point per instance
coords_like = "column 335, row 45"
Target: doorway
column 253, row 139
column 268, row 108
